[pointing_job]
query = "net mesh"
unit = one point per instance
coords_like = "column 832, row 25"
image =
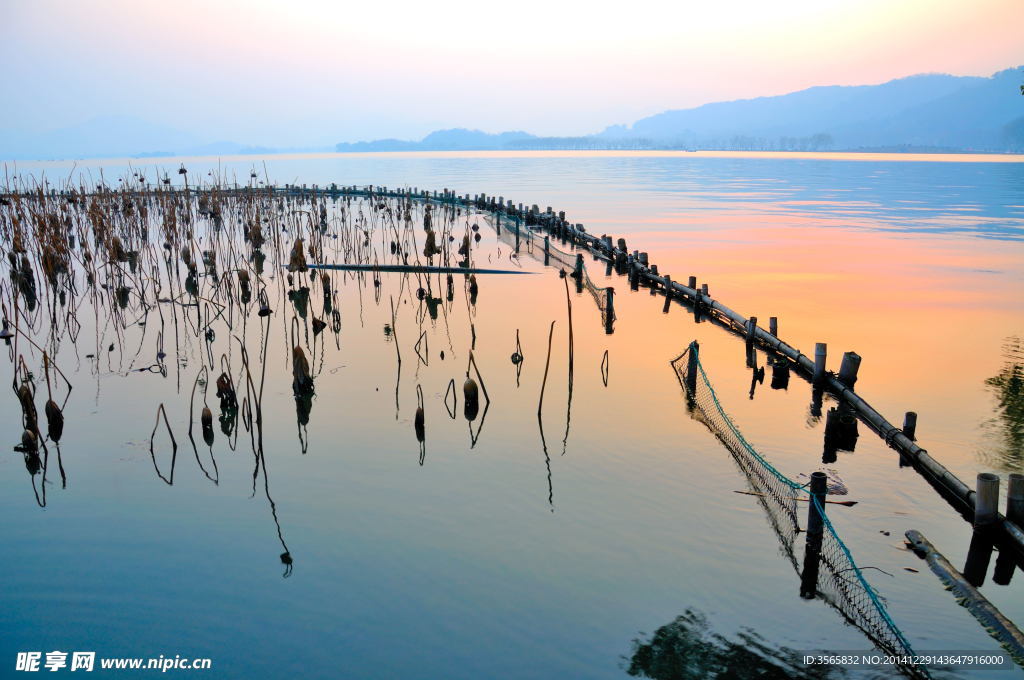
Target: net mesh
column 532, row 243
column 841, row 583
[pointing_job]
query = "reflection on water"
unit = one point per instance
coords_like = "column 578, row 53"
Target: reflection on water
column 688, row 649
column 314, row 393
column 1006, row 429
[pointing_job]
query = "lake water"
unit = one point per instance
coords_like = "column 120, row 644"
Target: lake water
column 511, row 548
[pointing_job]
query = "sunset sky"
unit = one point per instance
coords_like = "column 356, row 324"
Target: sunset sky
column 311, row 72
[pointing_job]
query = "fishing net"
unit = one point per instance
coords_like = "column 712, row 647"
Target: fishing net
column 532, row 243
column 841, row 583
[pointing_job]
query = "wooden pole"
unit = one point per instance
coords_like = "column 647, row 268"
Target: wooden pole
column 986, row 503
column 773, row 325
column 692, row 283
column 578, row 273
column 691, row 369
column 910, row 425
column 1015, row 499
column 848, row 369
column 609, row 312
column 820, row 356
column 751, row 329
column 815, row 533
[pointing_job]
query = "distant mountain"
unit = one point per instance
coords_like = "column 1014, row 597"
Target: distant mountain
column 933, row 111
column 455, row 139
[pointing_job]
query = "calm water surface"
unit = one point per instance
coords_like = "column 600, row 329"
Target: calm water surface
column 526, row 550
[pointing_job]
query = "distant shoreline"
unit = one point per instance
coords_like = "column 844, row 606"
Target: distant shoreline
column 853, row 156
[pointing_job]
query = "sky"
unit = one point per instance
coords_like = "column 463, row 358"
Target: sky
column 312, row 72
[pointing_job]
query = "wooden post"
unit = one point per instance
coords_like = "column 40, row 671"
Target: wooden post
column 609, row 310
column 815, row 533
column 820, row 356
column 1015, row 499
column 751, row 329
column 691, row 369
column 986, row 500
column 644, row 259
column 773, row 325
column 848, row 369
column 910, row 425
column 578, row 273
column 704, row 290
column 692, row 283
column 668, row 287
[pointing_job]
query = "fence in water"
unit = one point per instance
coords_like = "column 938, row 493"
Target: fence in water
column 524, row 239
column 840, row 582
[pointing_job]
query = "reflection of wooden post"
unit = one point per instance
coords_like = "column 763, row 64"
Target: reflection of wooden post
column 820, row 356
column 986, row 501
column 578, row 273
column 1006, row 564
column 815, row 533
column 691, row 369
column 979, row 555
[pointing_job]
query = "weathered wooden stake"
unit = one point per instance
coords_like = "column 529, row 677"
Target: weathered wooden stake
column 644, row 259
column 815, row 533
column 986, row 500
column 1015, row 498
column 691, row 369
column 692, row 283
column 704, row 290
column 820, row 356
column 773, row 325
column 848, row 369
column 609, row 312
column 751, row 329
column 910, row 425
column 578, row 273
